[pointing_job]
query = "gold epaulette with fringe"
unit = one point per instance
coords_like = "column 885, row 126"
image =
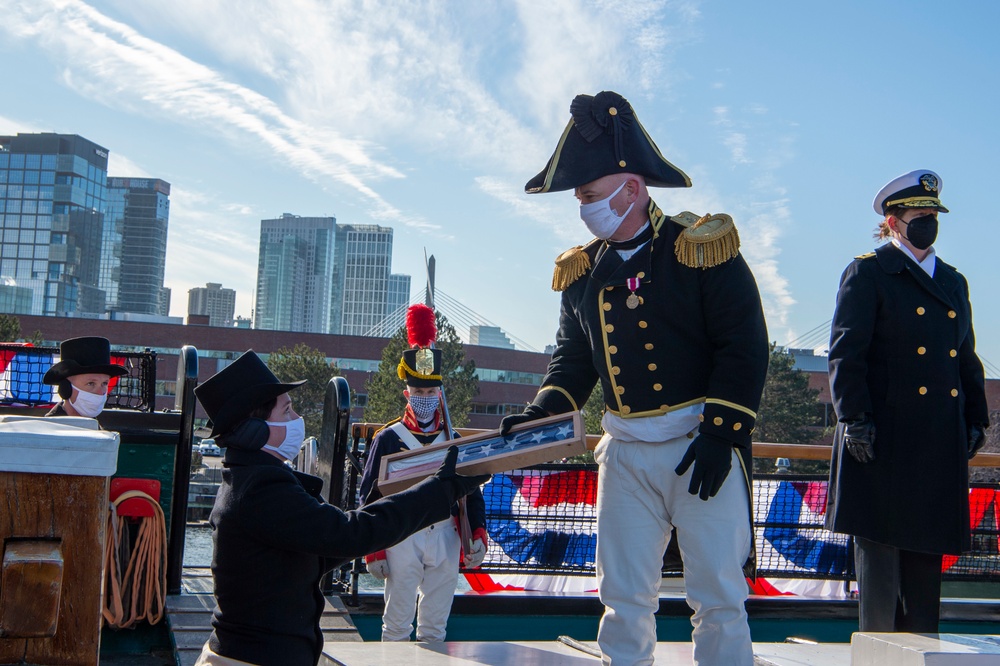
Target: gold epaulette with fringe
column 706, row 241
column 866, row 255
column 570, row 266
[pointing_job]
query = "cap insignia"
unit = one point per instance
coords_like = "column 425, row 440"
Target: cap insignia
column 929, row 182
column 425, row 362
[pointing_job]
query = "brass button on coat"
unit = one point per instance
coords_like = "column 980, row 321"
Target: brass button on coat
column 952, row 314
column 643, row 324
column 737, row 426
column 717, row 420
column 626, row 409
column 606, row 306
column 657, row 387
column 619, row 390
column 648, row 345
column 922, row 390
column 920, row 311
column 612, row 349
column 921, row 350
column 953, row 353
column 954, row 393
column 616, row 370
column 609, row 328
column 652, row 366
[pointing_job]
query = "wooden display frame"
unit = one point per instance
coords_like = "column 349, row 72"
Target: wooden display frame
column 531, row 443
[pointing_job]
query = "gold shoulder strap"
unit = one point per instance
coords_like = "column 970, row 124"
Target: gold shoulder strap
column 706, row 241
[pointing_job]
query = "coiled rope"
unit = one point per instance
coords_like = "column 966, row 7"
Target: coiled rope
column 140, row 592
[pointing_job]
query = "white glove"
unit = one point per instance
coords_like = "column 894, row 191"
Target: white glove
column 379, row 569
column 474, row 558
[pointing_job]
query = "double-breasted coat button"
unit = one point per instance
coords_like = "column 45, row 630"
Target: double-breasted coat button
column 626, row 409
column 920, row 310
column 953, row 353
column 643, row 324
column 619, row 390
column 649, row 345
column 952, row 314
column 616, row 370
column 921, row 350
column 922, row 390
column 717, row 420
column 954, row 393
column 657, row 387
column 737, row 426
column 606, row 306
column 610, row 328
column 701, row 417
column 612, row 349
column 652, row 366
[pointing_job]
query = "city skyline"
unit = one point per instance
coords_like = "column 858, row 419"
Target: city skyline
column 788, row 119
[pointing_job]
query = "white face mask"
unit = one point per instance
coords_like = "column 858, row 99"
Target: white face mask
column 602, row 221
column 89, row 404
column 295, row 434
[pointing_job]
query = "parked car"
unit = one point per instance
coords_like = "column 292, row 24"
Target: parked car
column 210, row 448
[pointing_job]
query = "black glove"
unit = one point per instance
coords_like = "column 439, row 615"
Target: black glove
column 712, row 457
column 457, row 485
column 530, row 413
column 977, row 437
column 859, row 438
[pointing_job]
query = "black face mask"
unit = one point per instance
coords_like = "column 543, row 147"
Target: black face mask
column 921, row 231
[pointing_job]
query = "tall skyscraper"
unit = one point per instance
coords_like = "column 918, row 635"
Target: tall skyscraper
column 215, row 301
column 52, row 197
column 135, row 245
column 293, row 273
column 362, row 266
column 397, row 300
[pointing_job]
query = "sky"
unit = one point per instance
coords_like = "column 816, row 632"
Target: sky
column 429, row 117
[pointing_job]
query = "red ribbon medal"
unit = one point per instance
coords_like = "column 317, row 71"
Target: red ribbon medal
column 632, row 302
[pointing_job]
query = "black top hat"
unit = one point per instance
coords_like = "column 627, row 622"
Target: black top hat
column 231, row 394
column 81, row 356
column 603, row 137
column 420, row 367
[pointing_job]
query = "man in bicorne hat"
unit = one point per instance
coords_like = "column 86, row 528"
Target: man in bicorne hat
column 664, row 313
column 82, row 376
column 426, row 563
column 909, row 392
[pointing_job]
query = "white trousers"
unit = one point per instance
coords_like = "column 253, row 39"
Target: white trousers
column 425, row 563
column 639, row 498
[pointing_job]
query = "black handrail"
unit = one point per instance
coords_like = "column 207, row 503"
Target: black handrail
column 184, row 402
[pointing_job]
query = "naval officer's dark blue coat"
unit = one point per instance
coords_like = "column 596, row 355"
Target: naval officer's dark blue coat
column 698, row 336
column 903, row 350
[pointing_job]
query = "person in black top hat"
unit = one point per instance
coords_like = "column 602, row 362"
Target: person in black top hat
column 82, row 375
column 665, row 315
column 909, row 393
column 425, row 564
column 274, row 535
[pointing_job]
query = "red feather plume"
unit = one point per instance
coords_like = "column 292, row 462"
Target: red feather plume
column 420, row 326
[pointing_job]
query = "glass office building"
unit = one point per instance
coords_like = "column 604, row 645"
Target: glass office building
column 52, row 194
column 134, row 249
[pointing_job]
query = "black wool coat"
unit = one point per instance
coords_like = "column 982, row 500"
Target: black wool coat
column 903, row 351
column 275, row 538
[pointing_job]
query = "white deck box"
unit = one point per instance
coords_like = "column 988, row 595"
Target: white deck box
column 73, row 446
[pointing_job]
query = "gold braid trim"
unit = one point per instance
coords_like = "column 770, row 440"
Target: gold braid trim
column 402, row 370
column 710, row 241
column 570, row 265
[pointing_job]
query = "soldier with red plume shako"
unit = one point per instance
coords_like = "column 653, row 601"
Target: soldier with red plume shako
column 426, row 563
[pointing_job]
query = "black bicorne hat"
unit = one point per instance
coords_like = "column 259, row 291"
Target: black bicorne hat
column 231, row 394
column 80, row 356
column 603, row 137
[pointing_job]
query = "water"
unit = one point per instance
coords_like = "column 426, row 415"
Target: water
column 198, row 546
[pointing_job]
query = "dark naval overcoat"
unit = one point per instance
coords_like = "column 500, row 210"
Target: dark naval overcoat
column 902, row 349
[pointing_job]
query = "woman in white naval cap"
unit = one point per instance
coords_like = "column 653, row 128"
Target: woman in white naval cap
column 909, row 394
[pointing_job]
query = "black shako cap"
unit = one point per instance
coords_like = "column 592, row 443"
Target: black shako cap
column 231, row 394
column 81, row 356
column 604, row 136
